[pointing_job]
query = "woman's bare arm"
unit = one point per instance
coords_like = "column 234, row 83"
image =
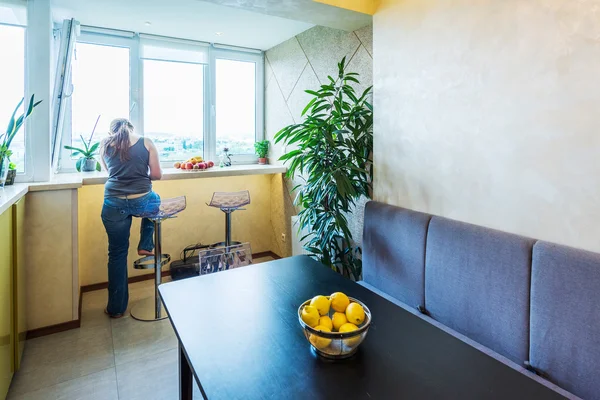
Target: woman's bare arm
column 155, row 170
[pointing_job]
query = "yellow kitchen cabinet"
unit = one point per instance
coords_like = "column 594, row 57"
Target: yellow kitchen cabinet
column 19, row 316
column 7, row 352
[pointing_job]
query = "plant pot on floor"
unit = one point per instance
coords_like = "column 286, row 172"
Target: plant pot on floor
column 262, row 161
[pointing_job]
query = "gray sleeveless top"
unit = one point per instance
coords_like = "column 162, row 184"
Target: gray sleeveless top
column 128, row 177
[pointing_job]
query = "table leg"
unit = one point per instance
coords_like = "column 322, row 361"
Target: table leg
column 185, row 377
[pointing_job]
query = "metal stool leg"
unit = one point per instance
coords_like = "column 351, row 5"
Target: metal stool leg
column 227, row 228
column 151, row 309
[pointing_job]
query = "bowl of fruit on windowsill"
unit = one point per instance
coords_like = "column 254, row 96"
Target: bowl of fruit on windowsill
column 194, row 164
column 334, row 325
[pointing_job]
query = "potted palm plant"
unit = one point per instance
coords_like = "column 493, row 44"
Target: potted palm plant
column 334, row 156
column 14, row 125
column 87, row 155
column 262, row 149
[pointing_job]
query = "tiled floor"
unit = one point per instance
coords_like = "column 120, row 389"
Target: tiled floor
column 105, row 359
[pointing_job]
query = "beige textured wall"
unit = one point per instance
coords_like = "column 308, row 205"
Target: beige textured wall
column 198, row 223
column 49, row 259
column 487, row 112
column 300, row 63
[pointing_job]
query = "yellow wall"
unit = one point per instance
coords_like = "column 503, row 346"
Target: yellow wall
column 6, row 302
column 282, row 209
column 198, row 223
column 487, row 111
column 19, row 279
column 49, row 260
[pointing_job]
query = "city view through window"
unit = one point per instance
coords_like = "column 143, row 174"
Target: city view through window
column 12, row 84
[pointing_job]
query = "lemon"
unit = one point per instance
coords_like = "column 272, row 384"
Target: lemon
column 321, row 303
column 355, row 313
column 310, row 316
column 320, row 342
column 338, row 320
column 339, row 301
column 326, row 321
column 349, row 327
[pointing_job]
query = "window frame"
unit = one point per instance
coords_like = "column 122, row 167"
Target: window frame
column 244, row 56
column 66, row 163
column 136, row 93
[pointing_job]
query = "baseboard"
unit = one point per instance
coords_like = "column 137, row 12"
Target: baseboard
column 266, row 254
column 146, row 277
column 49, row 330
column 65, row 326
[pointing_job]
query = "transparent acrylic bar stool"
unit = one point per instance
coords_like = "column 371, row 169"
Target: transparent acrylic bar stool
column 151, row 309
column 228, row 202
column 223, row 258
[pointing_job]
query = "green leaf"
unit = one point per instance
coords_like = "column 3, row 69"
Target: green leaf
column 12, row 122
column 308, row 106
column 98, row 167
column 78, row 164
column 93, row 149
column 75, row 149
column 313, row 93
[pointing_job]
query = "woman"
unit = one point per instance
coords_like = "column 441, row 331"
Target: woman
column 132, row 164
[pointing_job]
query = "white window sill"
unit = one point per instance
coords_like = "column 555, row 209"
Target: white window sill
column 63, row 181
column 73, row 180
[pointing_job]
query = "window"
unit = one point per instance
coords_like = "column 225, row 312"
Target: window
column 190, row 98
column 12, row 84
column 174, row 108
column 100, row 79
column 236, row 105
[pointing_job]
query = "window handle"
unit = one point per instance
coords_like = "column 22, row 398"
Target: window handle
column 133, row 104
column 213, row 110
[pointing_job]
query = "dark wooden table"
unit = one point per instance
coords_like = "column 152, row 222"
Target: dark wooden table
column 239, row 336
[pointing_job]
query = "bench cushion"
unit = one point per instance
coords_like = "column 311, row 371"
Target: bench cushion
column 394, row 251
column 477, row 282
column 565, row 317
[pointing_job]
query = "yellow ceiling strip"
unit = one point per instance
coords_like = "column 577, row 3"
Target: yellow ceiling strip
column 361, row 6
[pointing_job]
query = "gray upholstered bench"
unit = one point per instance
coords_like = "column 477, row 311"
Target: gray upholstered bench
column 532, row 305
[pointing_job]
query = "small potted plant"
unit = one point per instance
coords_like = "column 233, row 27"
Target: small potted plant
column 262, row 149
column 12, row 174
column 87, row 156
column 6, row 138
column 225, row 158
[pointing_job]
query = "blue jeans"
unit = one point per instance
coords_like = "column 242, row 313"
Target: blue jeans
column 116, row 216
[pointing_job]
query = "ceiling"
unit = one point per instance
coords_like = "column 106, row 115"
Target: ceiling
column 310, row 11
column 188, row 19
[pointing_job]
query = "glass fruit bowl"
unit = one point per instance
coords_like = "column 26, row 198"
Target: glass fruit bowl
column 335, row 345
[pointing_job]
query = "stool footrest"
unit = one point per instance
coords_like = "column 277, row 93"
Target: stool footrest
column 148, row 262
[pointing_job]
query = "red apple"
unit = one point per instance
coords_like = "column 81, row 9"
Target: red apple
column 189, row 166
column 203, row 165
column 177, row 165
column 210, row 164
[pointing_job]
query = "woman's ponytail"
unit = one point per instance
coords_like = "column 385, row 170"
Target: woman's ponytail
column 118, row 141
